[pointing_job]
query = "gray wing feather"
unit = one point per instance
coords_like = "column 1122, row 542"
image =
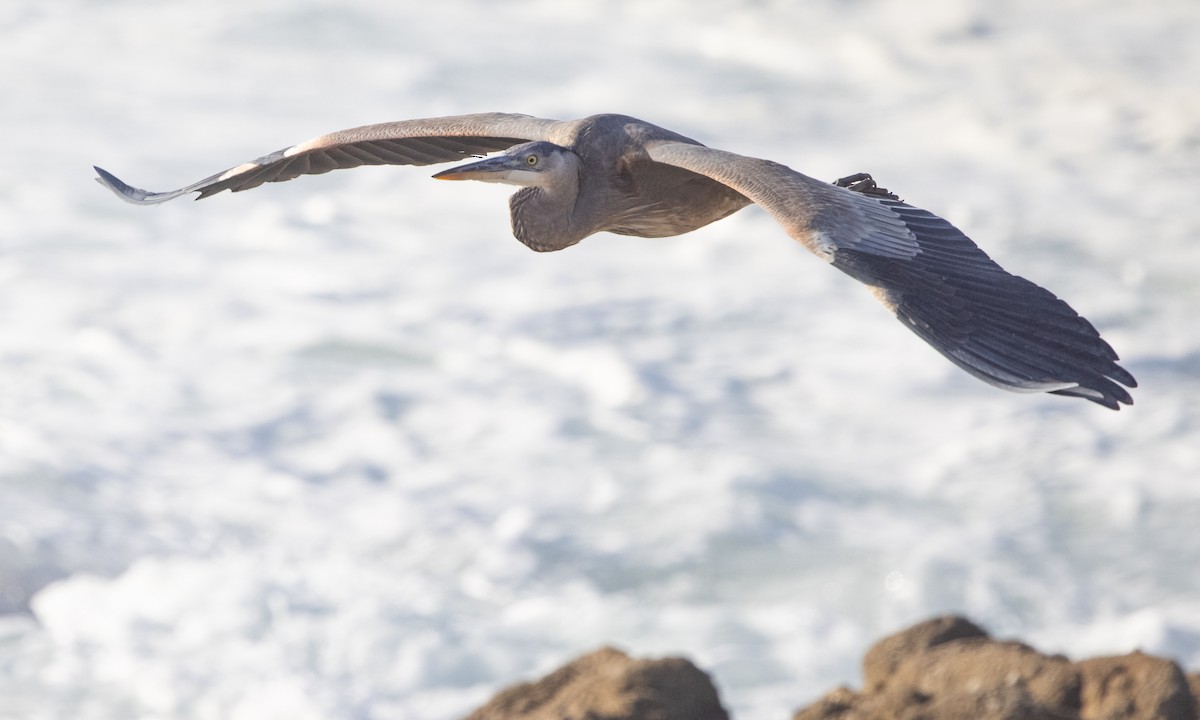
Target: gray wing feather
column 822, row 217
column 406, row 142
column 999, row 327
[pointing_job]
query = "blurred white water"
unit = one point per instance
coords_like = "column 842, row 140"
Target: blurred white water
column 343, row 448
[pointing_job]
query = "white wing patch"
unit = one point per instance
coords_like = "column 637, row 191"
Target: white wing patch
column 231, row 172
column 822, row 246
column 304, row 147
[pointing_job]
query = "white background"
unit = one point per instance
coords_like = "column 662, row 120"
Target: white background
column 343, row 448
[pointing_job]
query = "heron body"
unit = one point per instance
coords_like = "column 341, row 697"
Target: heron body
column 598, row 177
column 613, row 173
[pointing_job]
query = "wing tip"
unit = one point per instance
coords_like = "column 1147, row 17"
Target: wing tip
column 121, row 189
column 1102, row 390
column 1069, row 376
column 112, row 182
column 130, row 194
column 1111, row 395
column 1103, row 386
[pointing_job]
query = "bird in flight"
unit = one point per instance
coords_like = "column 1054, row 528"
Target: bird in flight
column 622, row 175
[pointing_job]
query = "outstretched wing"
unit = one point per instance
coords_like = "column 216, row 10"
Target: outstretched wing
column 999, row 327
column 407, row 142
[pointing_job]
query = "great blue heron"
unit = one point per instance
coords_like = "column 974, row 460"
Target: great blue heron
column 618, row 174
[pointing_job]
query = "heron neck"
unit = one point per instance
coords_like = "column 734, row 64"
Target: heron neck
column 543, row 218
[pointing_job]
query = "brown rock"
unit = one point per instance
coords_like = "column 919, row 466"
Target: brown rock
column 609, row 685
column 983, row 666
column 845, row 704
column 948, row 668
column 1133, row 687
column 840, row 704
column 881, row 660
column 997, row 704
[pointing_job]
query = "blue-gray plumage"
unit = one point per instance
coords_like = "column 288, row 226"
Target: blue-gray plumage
column 618, row 174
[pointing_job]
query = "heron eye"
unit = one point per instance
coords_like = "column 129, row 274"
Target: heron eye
column 532, row 160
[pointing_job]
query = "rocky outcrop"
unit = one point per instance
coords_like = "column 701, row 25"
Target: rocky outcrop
column 609, row 685
column 946, row 668
column 1135, row 686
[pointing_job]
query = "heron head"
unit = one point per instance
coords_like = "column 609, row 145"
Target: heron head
column 528, row 165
